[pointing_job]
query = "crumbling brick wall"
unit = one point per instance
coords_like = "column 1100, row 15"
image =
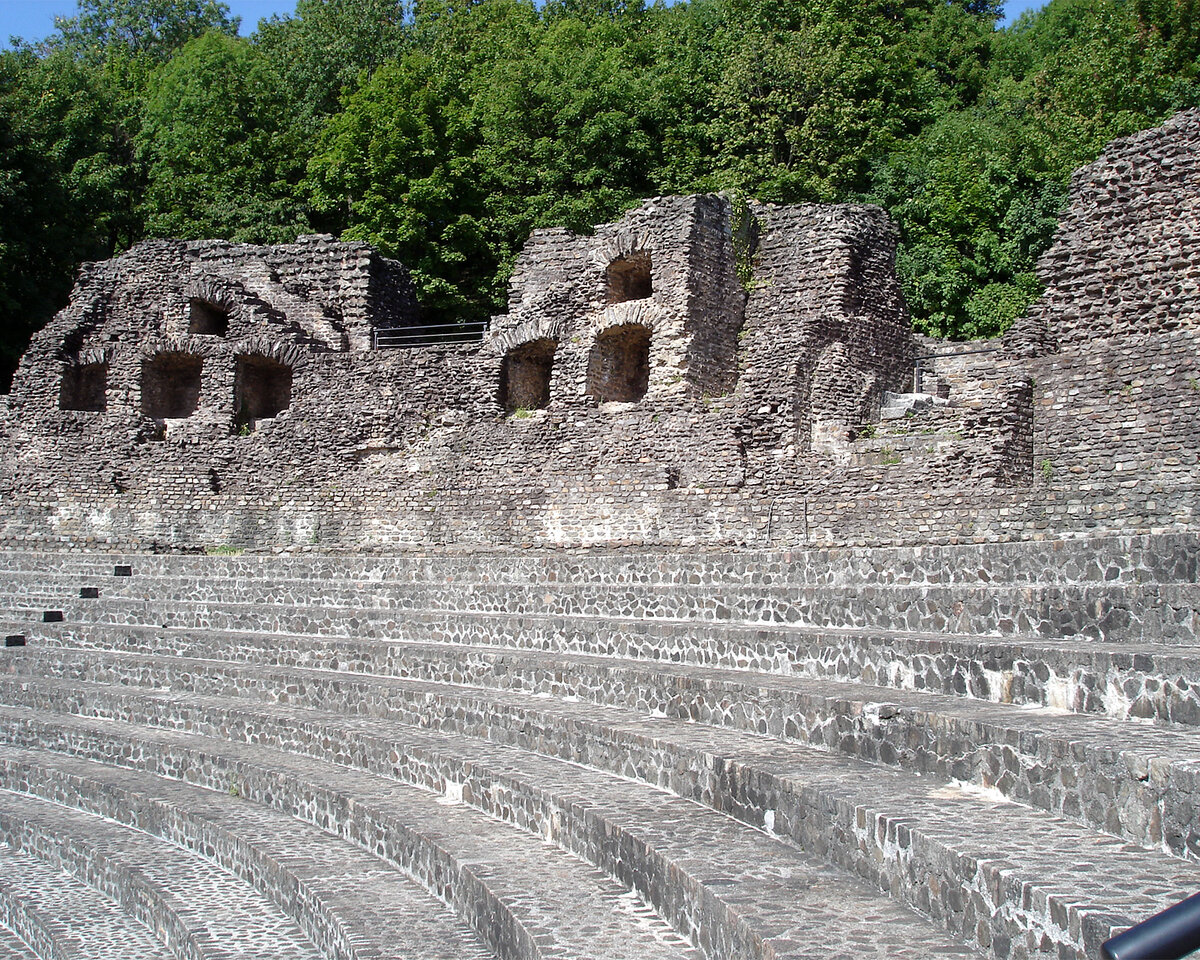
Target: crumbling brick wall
column 745, row 407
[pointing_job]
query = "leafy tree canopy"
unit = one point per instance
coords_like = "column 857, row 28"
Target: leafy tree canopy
column 218, row 158
column 154, row 29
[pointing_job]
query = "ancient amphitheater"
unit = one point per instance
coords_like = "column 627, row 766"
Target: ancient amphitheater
column 694, row 609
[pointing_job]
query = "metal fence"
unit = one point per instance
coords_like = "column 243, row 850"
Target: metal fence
column 429, row 335
column 920, row 367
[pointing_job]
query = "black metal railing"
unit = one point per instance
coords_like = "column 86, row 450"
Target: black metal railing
column 920, row 358
column 1169, row 935
column 429, row 335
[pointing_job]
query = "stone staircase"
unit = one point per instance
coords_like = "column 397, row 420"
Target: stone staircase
column 985, row 750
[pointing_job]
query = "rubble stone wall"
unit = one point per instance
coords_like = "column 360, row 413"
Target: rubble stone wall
column 644, row 387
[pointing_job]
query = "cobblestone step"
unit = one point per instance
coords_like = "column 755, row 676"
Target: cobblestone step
column 198, row 910
column 1132, row 780
column 532, row 898
column 736, row 885
column 1007, row 875
column 349, row 903
column 45, row 912
column 13, row 947
column 1098, row 611
column 753, row 683
column 1169, row 557
column 1124, row 681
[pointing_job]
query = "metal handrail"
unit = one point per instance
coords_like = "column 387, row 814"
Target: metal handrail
column 1169, row 935
column 955, row 353
column 429, row 334
column 919, row 369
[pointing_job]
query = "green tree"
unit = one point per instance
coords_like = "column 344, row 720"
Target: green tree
column 976, row 207
column 1093, row 70
column 398, row 168
column 815, row 92
column 65, row 188
column 321, row 51
column 153, row 29
column 497, row 120
column 220, row 160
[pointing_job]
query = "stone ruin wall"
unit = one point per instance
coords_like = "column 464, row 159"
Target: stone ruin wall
column 1118, row 331
column 635, row 392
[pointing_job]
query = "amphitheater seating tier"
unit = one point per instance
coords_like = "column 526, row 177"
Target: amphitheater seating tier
column 975, row 751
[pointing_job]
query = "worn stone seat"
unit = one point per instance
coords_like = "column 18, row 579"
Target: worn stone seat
column 1047, row 589
column 1133, row 780
column 347, row 901
column 13, row 947
column 193, row 908
column 1142, row 680
column 50, row 913
column 779, row 893
column 1094, row 611
column 968, row 775
column 545, row 902
column 758, row 778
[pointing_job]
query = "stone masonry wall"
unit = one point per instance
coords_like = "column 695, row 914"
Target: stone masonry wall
column 742, row 415
column 1126, row 260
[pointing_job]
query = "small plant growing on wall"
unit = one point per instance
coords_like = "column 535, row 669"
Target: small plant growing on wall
column 1047, row 469
column 744, row 230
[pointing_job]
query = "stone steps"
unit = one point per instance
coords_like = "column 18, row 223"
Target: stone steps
column 45, row 912
column 1164, row 611
column 534, row 898
column 731, row 736
column 1126, row 681
column 1132, row 780
column 1155, row 558
column 196, row 909
column 994, row 870
column 731, row 888
column 349, row 903
column 13, row 947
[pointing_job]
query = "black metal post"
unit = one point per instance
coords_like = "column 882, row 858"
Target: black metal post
column 1169, row 935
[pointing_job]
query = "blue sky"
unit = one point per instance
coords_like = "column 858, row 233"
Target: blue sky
column 34, row 19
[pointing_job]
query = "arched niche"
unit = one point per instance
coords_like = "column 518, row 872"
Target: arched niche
column 171, row 385
column 207, row 318
column 84, row 387
column 262, row 388
column 619, row 365
column 525, row 375
column 628, row 278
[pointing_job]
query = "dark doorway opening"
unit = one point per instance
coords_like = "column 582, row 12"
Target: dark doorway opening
column 207, row 318
column 619, row 366
column 525, row 376
column 84, row 387
column 629, row 278
column 171, row 385
column 262, row 388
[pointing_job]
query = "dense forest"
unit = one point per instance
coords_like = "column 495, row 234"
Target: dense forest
column 444, row 131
